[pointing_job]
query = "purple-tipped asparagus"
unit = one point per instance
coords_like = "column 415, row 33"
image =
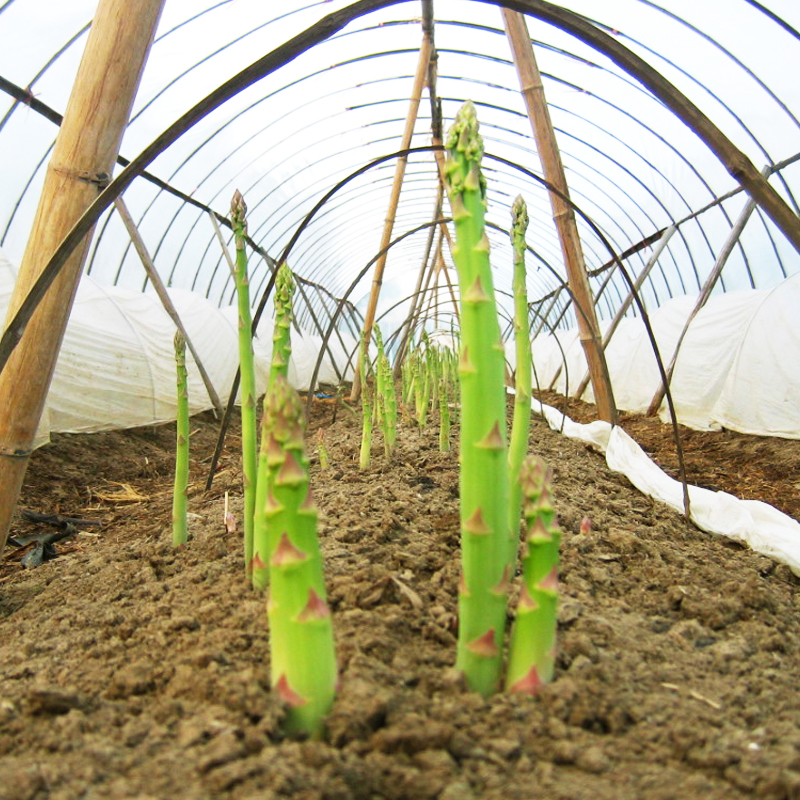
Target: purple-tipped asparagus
column 532, row 652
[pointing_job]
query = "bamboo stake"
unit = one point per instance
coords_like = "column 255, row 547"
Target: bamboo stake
column 400, row 171
column 606, row 280
column 83, row 158
column 227, row 253
column 705, row 292
column 401, row 350
column 621, row 311
column 166, row 301
column 533, row 92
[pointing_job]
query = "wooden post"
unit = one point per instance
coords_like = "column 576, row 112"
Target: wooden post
column 400, row 171
column 533, row 92
column 705, row 292
column 166, row 301
column 83, row 158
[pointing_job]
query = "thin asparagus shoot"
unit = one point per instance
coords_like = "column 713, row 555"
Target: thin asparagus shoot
column 322, row 450
column 248, row 380
column 282, row 329
column 179, row 527
column 520, row 427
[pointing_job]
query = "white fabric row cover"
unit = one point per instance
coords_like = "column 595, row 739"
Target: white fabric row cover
column 758, row 525
column 116, row 368
column 737, row 366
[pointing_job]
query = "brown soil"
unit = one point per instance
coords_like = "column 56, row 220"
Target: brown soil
column 128, row 670
column 749, row 467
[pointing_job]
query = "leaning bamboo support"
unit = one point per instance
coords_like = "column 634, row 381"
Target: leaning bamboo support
column 400, row 171
column 166, row 301
column 708, row 287
column 533, row 93
column 83, row 159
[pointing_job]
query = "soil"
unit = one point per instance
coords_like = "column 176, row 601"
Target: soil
column 131, row 670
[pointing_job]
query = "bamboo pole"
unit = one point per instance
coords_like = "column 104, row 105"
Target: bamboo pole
column 400, row 171
column 83, row 157
column 225, row 252
column 166, row 301
column 626, row 304
column 588, row 328
column 401, row 350
column 705, row 292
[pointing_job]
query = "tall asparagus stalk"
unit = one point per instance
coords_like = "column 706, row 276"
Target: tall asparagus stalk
column 303, row 659
column 531, row 654
column 484, row 467
column 248, row 379
column 179, row 529
column 281, row 351
column 520, row 427
column 444, row 415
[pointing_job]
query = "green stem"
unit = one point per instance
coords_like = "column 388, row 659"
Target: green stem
column 302, row 654
column 532, row 651
column 444, row 416
column 248, row 379
column 179, row 527
column 279, row 368
column 518, row 444
column 282, row 328
column 484, row 467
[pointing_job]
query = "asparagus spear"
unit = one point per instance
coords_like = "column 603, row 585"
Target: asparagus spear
column 248, row 380
column 531, row 655
column 484, row 467
column 282, row 330
column 386, row 398
column 281, row 351
column 179, row 529
column 303, row 659
column 520, row 426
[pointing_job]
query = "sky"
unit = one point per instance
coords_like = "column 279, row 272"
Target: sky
column 633, row 168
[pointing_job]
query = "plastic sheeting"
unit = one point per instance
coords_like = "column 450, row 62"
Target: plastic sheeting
column 758, row 525
column 116, row 368
column 736, row 367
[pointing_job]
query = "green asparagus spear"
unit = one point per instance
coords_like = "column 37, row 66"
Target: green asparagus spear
column 484, row 467
column 532, row 651
column 303, row 659
column 179, row 529
column 518, row 446
column 248, row 380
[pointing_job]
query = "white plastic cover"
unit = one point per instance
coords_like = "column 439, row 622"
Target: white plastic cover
column 759, row 525
column 116, row 368
column 736, row 367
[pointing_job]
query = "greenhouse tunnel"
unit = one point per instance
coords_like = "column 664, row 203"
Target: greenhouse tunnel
column 148, row 149
column 653, row 111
